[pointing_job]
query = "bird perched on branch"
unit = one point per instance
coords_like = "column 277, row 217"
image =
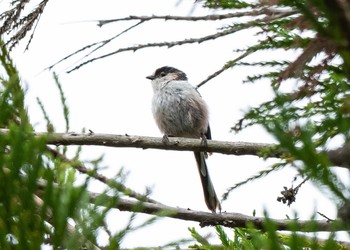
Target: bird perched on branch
column 180, row 111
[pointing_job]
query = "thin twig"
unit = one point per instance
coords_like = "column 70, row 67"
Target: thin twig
column 227, row 65
column 157, row 44
column 105, row 42
column 214, row 17
column 99, row 45
column 216, row 35
column 326, row 217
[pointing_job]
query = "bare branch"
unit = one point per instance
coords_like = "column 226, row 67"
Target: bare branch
column 226, row 219
column 215, row 17
column 339, row 157
column 99, row 45
column 227, row 65
column 231, row 220
column 175, row 143
column 326, row 217
column 159, row 44
column 225, row 32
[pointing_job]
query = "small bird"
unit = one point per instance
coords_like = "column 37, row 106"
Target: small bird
column 180, row 111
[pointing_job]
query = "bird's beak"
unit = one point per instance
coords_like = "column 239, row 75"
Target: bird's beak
column 151, row 77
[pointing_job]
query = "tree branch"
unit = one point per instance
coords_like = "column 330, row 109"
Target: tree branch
column 215, row 17
column 231, row 220
column 269, row 16
column 227, row 65
column 205, row 219
column 339, row 157
column 95, row 46
column 158, row 44
column 13, row 20
column 175, row 143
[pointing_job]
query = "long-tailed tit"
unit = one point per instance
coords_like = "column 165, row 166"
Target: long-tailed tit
column 180, row 111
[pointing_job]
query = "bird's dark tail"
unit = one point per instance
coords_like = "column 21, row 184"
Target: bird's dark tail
column 211, row 199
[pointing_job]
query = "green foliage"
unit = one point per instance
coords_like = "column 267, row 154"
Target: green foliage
column 252, row 239
column 21, row 164
column 312, row 91
column 227, row 4
column 63, row 101
column 40, row 200
column 39, row 196
column 311, row 103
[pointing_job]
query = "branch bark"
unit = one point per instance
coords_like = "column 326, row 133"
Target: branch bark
column 175, row 143
column 214, row 17
column 205, row 219
column 339, row 157
column 231, row 220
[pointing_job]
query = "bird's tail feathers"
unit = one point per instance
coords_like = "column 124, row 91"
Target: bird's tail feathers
column 211, row 199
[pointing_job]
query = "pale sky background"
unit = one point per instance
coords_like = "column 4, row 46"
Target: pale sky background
column 113, row 96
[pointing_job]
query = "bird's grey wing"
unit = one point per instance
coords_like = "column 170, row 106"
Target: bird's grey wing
column 208, row 133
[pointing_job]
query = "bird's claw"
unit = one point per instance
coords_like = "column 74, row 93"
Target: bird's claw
column 204, row 141
column 165, row 139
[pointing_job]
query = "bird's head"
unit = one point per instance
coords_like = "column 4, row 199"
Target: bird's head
column 165, row 74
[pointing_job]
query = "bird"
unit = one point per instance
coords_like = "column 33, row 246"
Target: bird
column 180, row 111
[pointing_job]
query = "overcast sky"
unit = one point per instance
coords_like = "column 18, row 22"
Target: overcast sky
column 113, row 96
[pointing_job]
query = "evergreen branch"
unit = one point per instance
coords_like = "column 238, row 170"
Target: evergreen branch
column 296, row 68
column 260, row 174
column 70, row 229
column 63, row 101
column 109, row 182
column 43, row 110
column 49, row 125
column 12, row 21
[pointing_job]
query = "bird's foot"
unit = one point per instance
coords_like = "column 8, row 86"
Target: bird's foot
column 204, row 141
column 165, row 139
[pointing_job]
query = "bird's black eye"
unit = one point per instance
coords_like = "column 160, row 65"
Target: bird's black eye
column 162, row 74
